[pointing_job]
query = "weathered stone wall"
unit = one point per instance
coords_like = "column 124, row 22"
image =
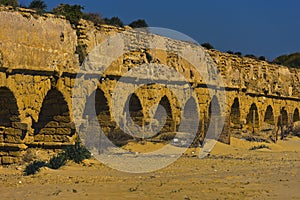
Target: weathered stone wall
column 39, row 61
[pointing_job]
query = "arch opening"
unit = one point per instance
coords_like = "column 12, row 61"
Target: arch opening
column 235, row 114
column 296, row 116
column 9, row 111
column 54, row 123
column 269, row 116
column 213, row 113
column 169, row 124
column 134, row 106
column 252, row 117
column 284, row 117
column 190, row 116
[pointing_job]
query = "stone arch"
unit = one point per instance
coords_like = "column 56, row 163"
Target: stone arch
column 296, row 116
column 214, row 107
column 99, row 106
column 188, row 111
column 169, row 125
column 252, row 117
column 284, row 117
column 54, row 122
column 235, row 114
column 9, row 111
column 213, row 112
column 134, row 106
column 102, row 107
column 191, row 117
column 269, row 116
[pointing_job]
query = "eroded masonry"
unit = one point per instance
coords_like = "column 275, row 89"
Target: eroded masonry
column 39, row 60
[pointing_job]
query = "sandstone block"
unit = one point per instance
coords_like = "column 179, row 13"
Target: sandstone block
column 65, row 119
column 39, row 138
column 63, row 131
column 48, row 138
column 19, row 125
column 16, row 153
column 7, row 160
column 13, row 131
column 60, row 138
column 70, row 125
column 48, row 131
column 13, row 139
column 52, row 124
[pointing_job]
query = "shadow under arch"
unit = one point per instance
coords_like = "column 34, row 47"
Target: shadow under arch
column 54, row 122
column 9, row 111
column 214, row 112
column 252, row 119
column 169, row 125
column 269, row 116
column 191, row 122
column 296, row 116
column 284, row 117
column 134, row 110
column 235, row 114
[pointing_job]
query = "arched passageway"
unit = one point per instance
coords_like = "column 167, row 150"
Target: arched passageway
column 190, row 123
column 8, row 108
column 235, row 114
column 296, row 116
column 164, row 108
column 54, row 123
column 284, row 117
column 133, row 109
column 252, row 117
column 269, row 116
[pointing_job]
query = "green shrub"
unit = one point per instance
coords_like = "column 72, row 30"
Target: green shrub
column 93, row 17
column 57, row 161
column 38, row 5
column 34, row 167
column 72, row 13
column 291, row 60
column 77, row 153
column 262, row 58
column 13, row 3
column 238, row 53
column 207, row 45
column 114, row 21
column 140, row 23
column 251, row 56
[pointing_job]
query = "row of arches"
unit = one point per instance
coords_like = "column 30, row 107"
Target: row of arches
column 252, row 119
column 54, row 121
column 54, row 117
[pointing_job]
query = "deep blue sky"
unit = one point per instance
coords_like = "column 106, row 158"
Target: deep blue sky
column 260, row 27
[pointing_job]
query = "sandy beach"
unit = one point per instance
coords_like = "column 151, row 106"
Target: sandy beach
column 230, row 172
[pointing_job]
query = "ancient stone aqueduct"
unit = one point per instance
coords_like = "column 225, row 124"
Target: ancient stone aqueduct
column 39, row 59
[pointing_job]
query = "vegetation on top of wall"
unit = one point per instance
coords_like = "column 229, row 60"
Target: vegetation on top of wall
column 13, row 3
column 291, row 60
column 140, row 23
column 93, row 17
column 39, row 5
column 114, row 21
column 72, row 13
column 207, row 45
